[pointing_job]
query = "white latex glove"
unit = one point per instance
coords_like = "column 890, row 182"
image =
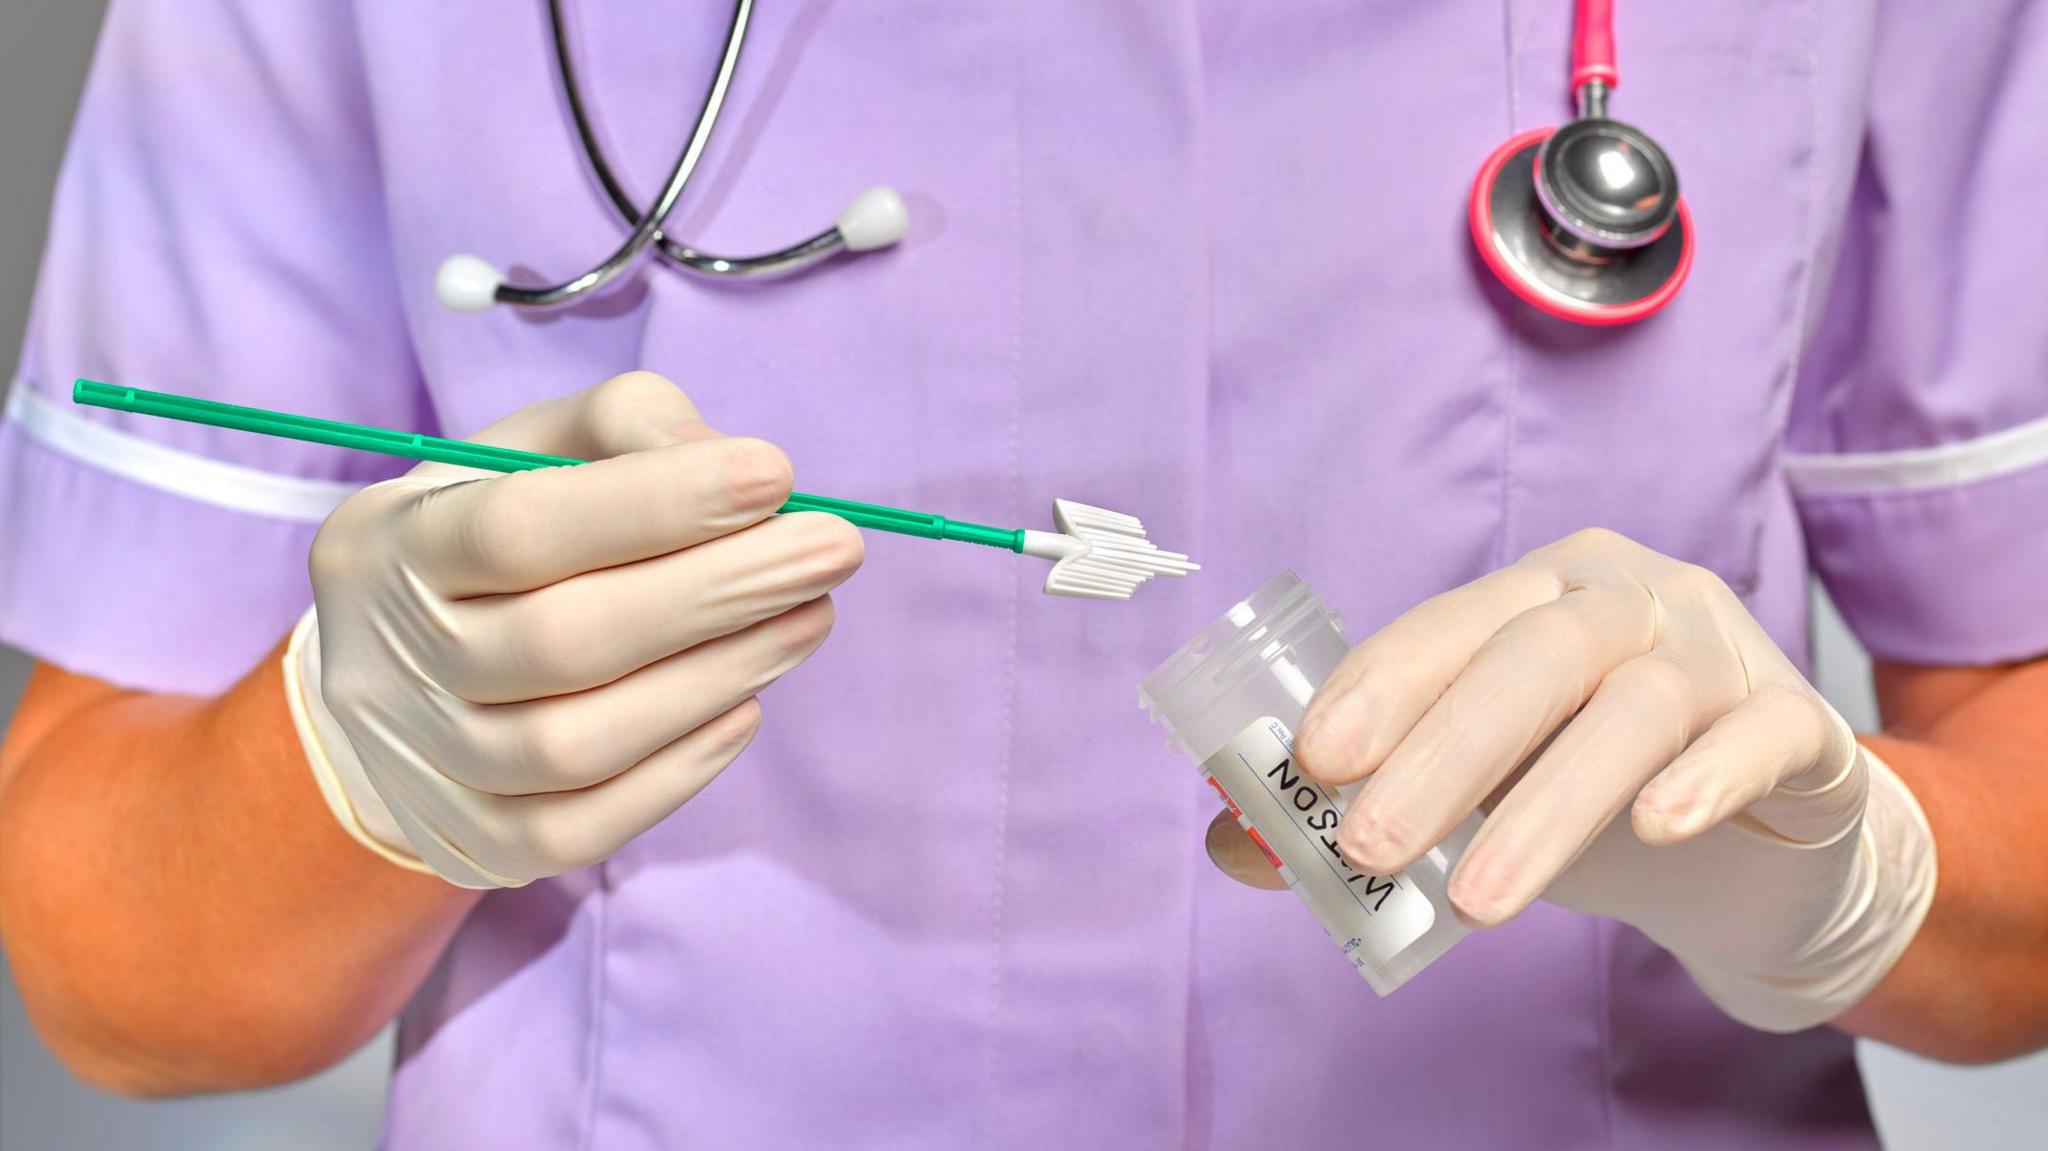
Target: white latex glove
column 510, row 677
column 1786, row 867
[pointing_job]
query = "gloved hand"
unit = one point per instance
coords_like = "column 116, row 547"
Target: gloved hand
column 1785, row 866
column 510, row 677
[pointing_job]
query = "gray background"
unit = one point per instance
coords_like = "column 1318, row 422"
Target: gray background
column 43, row 53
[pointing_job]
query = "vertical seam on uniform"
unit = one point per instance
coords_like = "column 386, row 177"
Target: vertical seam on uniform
column 424, row 396
column 593, row 1058
column 1010, row 656
column 1781, row 403
column 1603, row 952
column 1511, row 391
column 1797, row 361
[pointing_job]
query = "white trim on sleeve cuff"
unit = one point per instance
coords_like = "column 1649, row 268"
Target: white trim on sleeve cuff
column 1918, row 469
column 169, row 469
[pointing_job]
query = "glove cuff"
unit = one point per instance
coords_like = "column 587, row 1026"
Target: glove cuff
column 353, row 802
column 1891, row 885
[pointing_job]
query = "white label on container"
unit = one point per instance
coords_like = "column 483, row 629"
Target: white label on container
column 1372, row 917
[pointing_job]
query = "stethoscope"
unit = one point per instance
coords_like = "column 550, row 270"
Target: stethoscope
column 875, row 219
column 1585, row 221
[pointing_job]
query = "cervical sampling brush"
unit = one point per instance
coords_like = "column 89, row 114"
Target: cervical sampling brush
column 1096, row 553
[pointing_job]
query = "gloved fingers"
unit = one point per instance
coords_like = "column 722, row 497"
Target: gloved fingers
column 530, row 836
column 1781, row 755
column 599, row 626
column 630, row 412
column 567, row 742
column 1235, row 854
column 1639, row 720
column 1385, row 684
column 526, row 530
column 1518, row 688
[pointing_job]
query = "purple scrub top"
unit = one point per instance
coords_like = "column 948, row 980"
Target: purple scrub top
column 1206, row 262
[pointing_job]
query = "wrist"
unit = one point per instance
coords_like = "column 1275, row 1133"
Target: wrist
column 354, row 804
column 1859, row 936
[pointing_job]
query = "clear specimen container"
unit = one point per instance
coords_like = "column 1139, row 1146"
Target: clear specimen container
column 1231, row 700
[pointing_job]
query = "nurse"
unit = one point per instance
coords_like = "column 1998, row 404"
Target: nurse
column 1205, row 262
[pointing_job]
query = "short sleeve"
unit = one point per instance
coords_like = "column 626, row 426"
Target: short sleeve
column 1919, row 431
column 218, row 229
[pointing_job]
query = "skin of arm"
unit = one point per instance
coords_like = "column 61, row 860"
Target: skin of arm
column 179, row 907
column 1972, row 743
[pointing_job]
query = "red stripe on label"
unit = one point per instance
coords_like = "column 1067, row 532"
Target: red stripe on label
column 1263, row 846
column 1225, row 797
column 1247, row 825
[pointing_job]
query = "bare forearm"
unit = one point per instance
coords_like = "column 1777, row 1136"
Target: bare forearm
column 180, row 909
column 1973, row 986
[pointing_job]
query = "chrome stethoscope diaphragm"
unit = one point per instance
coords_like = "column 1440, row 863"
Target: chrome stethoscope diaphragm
column 875, row 219
column 1585, row 221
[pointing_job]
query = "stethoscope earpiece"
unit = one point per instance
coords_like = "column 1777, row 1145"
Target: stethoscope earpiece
column 466, row 283
column 875, row 219
column 1585, row 222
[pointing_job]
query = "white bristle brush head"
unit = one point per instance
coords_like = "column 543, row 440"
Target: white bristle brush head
column 1100, row 554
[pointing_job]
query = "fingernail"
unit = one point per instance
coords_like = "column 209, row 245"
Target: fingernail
column 1309, row 737
column 1354, row 837
column 1474, row 874
column 1666, row 817
column 1368, row 843
column 1480, row 900
column 1476, row 912
column 1326, row 745
column 691, row 431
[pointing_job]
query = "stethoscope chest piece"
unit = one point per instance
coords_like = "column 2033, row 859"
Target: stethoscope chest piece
column 1585, row 222
column 1552, row 246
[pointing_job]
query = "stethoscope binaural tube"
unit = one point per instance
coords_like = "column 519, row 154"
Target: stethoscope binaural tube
column 875, row 219
column 1585, row 222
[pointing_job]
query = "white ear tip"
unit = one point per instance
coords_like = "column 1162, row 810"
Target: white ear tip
column 466, row 283
column 875, row 219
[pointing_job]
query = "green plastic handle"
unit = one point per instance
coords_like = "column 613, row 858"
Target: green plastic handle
column 414, row 446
